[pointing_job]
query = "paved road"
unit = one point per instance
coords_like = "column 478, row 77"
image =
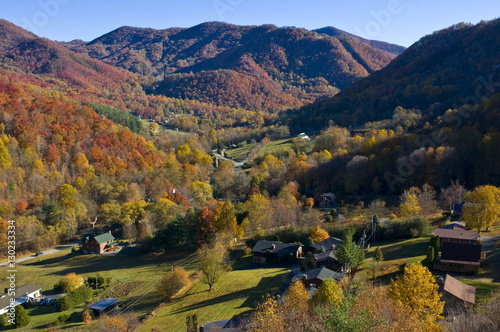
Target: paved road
column 50, row 251
column 489, row 241
column 235, row 163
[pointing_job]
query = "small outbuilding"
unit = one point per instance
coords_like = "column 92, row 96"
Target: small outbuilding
column 98, row 244
column 103, row 306
column 456, row 294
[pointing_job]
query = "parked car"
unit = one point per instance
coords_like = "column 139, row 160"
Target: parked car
column 38, row 254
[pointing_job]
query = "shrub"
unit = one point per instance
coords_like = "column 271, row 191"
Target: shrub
column 61, row 319
column 86, row 318
column 3, row 320
column 22, row 317
column 74, row 298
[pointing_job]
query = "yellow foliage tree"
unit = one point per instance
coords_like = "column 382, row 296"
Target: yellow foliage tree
column 409, row 206
column 328, row 293
column 70, row 282
column 417, row 292
column 268, row 317
column 318, row 234
column 296, row 297
column 482, row 208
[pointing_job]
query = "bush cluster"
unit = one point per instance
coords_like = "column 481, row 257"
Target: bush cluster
column 74, row 298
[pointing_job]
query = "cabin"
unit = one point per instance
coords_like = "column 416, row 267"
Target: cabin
column 457, row 235
column 455, row 294
column 98, row 244
column 331, row 243
column 459, row 257
column 328, row 260
column 326, row 201
column 274, row 251
column 314, row 278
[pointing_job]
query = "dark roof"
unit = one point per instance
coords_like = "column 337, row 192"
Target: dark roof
column 321, row 273
column 20, row 292
column 458, row 289
column 26, row 289
column 279, row 247
column 460, row 252
column 457, row 234
column 454, row 225
column 104, row 238
column 326, row 256
column 103, row 304
column 327, row 244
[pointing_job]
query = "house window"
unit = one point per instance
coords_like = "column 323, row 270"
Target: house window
column 469, row 241
column 448, row 240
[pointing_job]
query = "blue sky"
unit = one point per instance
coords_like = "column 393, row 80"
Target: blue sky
column 397, row 21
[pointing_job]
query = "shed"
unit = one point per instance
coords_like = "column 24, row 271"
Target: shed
column 103, row 305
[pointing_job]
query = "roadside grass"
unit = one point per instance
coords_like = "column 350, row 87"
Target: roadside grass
column 48, row 269
column 396, row 254
column 237, row 293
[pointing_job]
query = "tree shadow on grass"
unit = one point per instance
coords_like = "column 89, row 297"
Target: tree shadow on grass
column 401, row 251
column 253, row 296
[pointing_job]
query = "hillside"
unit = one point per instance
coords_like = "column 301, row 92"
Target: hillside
column 452, row 67
column 25, row 53
column 388, row 47
column 277, row 68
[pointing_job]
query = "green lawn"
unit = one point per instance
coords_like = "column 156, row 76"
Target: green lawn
column 396, row 254
column 484, row 289
column 140, row 271
column 237, row 292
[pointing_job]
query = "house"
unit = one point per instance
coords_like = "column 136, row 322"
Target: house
column 331, row 243
column 328, row 260
column 98, row 244
column 326, row 201
column 22, row 294
column 304, row 137
column 459, row 257
column 456, row 294
column 103, row 306
column 314, row 278
column 457, row 235
column 274, row 251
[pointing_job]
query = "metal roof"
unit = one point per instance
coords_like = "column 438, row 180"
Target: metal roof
column 103, row 304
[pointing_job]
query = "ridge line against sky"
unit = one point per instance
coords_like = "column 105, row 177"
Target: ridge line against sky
column 400, row 22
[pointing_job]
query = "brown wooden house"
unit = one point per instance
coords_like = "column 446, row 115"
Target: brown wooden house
column 274, row 251
column 97, row 244
column 457, row 235
column 460, row 251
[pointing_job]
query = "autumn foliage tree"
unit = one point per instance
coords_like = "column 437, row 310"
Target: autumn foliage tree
column 70, row 282
column 329, row 293
column 318, row 234
column 417, row 292
column 482, row 208
column 172, row 282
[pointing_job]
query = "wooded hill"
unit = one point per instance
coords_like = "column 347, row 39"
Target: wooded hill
column 452, row 67
column 251, row 67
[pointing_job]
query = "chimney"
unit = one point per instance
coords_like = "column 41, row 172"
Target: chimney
column 304, row 277
column 273, row 246
column 333, row 247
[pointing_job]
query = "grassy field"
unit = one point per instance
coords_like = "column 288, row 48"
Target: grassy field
column 237, row 292
column 240, row 154
column 139, row 271
column 396, row 254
